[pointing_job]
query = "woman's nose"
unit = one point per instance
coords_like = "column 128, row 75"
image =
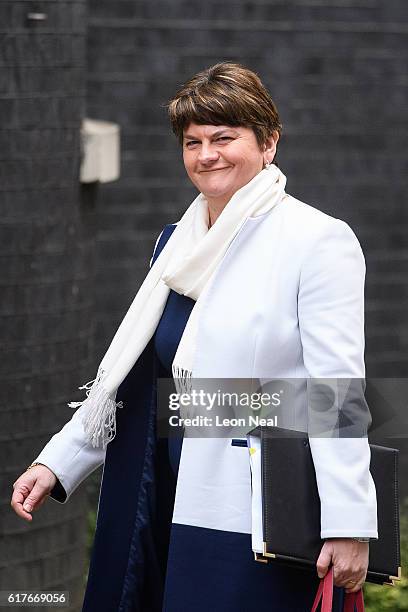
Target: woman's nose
column 208, row 153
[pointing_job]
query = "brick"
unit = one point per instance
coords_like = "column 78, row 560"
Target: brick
column 47, row 391
column 36, row 268
column 388, row 340
column 45, row 49
column 79, row 16
column 55, row 143
column 50, row 297
column 387, row 365
column 21, row 238
column 384, row 315
column 50, row 112
column 48, row 172
column 8, row 114
column 19, row 80
column 174, row 195
column 38, row 202
column 46, row 329
column 43, row 358
column 160, row 142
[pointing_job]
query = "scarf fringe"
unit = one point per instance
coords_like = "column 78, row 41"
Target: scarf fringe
column 99, row 412
column 182, row 378
column 183, row 381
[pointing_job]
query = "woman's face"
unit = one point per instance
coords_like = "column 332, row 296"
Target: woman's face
column 220, row 159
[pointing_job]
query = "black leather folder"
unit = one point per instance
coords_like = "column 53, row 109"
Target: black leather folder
column 291, row 504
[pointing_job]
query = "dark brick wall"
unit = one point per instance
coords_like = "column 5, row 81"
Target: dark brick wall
column 337, row 72
column 46, row 260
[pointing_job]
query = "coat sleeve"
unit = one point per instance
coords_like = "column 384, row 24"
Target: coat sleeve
column 70, row 457
column 331, row 321
column 68, row 454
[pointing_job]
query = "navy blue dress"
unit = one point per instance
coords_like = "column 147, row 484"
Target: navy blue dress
column 168, row 450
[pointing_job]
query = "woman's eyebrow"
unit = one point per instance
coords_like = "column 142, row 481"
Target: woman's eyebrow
column 217, row 133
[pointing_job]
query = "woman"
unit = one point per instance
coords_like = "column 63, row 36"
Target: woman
column 251, row 283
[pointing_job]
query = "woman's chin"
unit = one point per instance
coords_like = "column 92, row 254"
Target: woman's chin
column 215, row 190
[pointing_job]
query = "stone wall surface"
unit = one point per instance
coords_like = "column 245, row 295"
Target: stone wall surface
column 46, row 265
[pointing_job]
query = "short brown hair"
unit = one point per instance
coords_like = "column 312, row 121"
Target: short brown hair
column 225, row 94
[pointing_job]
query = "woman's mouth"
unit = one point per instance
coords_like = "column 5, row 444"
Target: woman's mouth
column 215, row 169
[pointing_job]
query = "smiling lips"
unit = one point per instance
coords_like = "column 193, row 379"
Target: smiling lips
column 215, row 169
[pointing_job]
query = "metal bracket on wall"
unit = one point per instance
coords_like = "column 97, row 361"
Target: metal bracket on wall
column 100, row 141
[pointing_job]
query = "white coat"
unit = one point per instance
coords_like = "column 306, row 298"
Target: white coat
column 287, row 301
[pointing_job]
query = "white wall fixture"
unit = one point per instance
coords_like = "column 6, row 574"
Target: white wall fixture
column 100, row 151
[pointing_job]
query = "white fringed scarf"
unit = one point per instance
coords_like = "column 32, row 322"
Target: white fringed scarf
column 186, row 264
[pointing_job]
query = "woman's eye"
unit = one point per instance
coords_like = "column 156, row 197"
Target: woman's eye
column 224, row 138
column 191, row 142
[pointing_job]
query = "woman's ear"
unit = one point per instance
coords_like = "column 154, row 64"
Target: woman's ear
column 270, row 147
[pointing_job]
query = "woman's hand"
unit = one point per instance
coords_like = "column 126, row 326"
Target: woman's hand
column 31, row 490
column 349, row 559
